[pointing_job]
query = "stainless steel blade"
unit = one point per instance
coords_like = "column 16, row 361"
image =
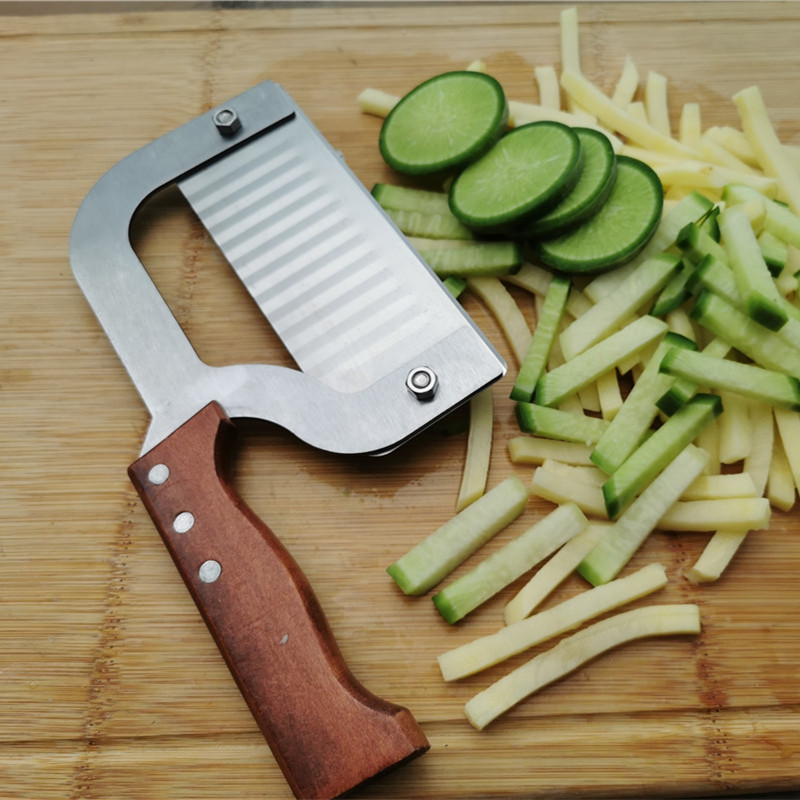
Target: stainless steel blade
column 348, row 298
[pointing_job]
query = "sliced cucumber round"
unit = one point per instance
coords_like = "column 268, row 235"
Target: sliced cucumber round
column 590, row 192
column 525, row 174
column 617, row 231
column 444, row 123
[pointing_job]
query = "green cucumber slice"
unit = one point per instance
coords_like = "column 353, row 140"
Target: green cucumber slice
column 526, row 172
column 618, row 230
column 768, row 386
column 444, row 123
column 639, row 469
column 482, row 259
column 544, row 336
column 590, row 192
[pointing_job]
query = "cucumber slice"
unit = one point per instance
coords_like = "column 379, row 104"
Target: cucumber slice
column 618, row 230
column 639, row 469
column 768, row 386
column 553, row 423
column 444, row 123
column 544, row 336
column 634, row 418
column 482, row 259
column 590, row 192
column 508, row 563
column 422, row 567
column 528, row 171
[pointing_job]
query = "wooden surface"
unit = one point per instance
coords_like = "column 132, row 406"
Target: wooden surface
column 110, row 685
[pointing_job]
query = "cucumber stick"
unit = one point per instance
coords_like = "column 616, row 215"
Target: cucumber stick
column 406, row 198
column 479, row 259
column 444, row 123
column 644, row 463
column 617, row 545
column 565, row 380
column 607, row 315
column 543, row 338
column 619, row 229
column 525, row 173
column 768, row 386
column 425, row 565
column 553, row 423
column 636, row 415
column 427, row 225
column 753, row 279
column 508, row 563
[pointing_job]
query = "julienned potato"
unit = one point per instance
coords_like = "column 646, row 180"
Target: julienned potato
column 727, row 254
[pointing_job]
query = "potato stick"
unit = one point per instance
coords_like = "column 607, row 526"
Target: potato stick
column 479, row 654
column 767, row 147
column 506, row 312
column 553, row 572
column 577, row 303
column 708, row 440
column 576, row 650
column 690, row 125
column 627, row 85
column 735, row 431
column 376, row 102
column 655, row 102
column 679, row 321
column 534, row 450
column 520, row 113
column 549, row 90
column 570, row 39
column 591, row 475
column 788, row 423
column 697, row 174
column 651, row 157
column 638, row 111
column 589, row 398
column 609, row 394
column 729, row 514
column 734, row 141
column 716, row 556
column 476, row 66
column 531, row 277
column 758, row 460
column 781, row 491
column 618, row 120
column 479, row 449
column 561, row 489
column 716, row 154
column 711, row 487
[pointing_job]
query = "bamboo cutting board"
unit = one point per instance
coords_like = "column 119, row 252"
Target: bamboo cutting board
column 110, row 686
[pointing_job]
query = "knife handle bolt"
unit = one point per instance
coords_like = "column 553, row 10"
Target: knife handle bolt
column 158, row 474
column 422, row 383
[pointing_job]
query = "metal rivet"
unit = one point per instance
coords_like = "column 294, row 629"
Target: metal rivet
column 227, row 121
column 422, row 383
column 209, row 571
column 183, row 522
column 158, row 474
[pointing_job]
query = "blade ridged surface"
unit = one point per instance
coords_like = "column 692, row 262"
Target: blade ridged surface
column 349, row 299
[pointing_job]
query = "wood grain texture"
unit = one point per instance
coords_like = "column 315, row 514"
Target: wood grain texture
column 110, row 684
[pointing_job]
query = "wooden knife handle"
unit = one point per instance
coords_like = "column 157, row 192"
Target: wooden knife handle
column 327, row 732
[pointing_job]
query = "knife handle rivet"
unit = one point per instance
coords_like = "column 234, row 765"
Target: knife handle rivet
column 209, row 571
column 183, row 522
column 158, row 474
column 227, row 121
column 422, row 383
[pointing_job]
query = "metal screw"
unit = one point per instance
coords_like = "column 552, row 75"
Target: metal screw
column 209, row 571
column 183, row 522
column 227, row 121
column 158, row 474
column 422, row 383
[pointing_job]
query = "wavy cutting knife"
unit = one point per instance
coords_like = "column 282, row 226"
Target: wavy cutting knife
column 382, row 350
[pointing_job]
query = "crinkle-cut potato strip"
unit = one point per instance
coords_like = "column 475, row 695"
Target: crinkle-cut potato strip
column 574, row 651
